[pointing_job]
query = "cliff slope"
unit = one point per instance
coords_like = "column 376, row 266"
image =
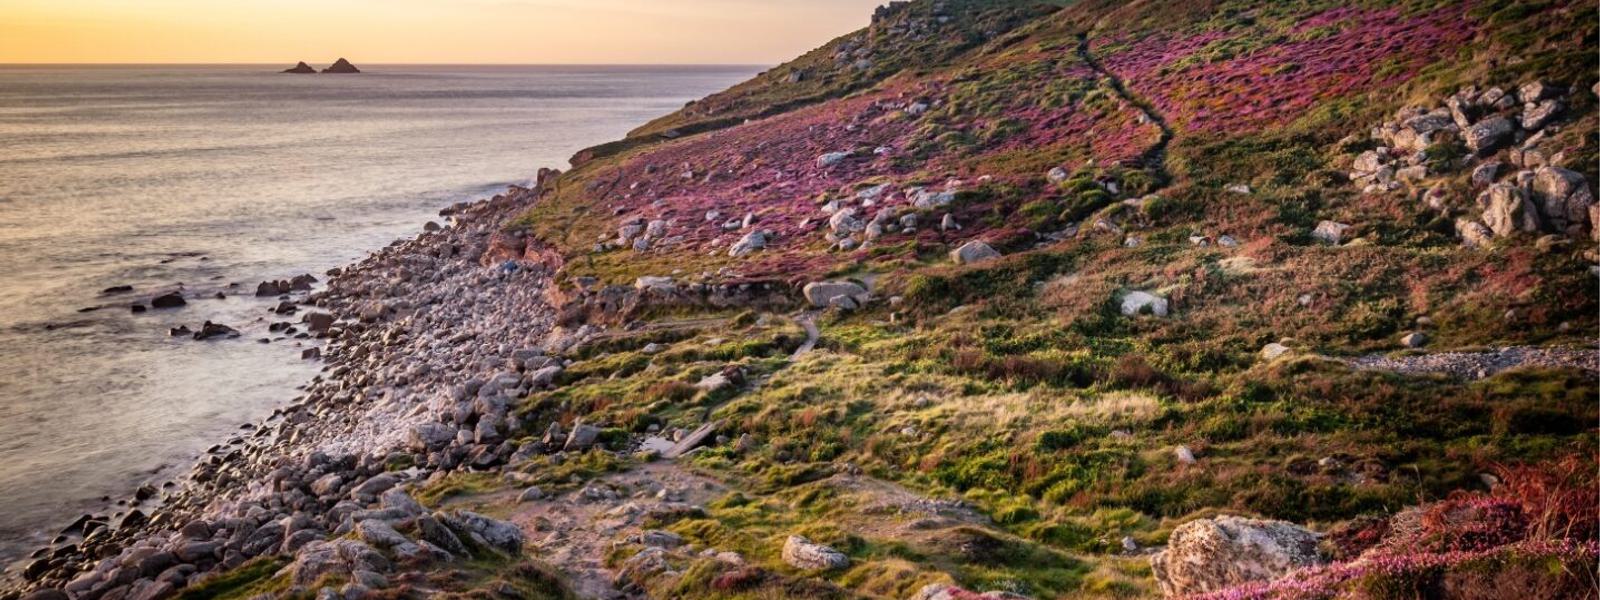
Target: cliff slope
column 1098, row 299
column 1104, row 269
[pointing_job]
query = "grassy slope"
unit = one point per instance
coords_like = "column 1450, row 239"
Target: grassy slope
column 1015, row 384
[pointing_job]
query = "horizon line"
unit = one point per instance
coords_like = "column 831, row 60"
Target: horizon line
column 404, row 64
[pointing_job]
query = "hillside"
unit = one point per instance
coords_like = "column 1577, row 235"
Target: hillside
column 1098, row 299
column 1218, row 156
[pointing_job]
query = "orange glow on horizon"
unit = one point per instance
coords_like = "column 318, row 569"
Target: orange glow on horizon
column 422, row 31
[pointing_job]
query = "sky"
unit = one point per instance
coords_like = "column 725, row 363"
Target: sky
column 423, row 31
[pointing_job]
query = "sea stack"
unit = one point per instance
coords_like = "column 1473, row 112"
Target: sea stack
column 342, row 66
column 301, row 68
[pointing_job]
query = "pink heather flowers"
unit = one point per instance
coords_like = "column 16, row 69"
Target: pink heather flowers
column 1286, row 76
column 769, row 167
column 1326, row 582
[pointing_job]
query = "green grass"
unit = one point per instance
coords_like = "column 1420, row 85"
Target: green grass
column 247, row 581
column 1017, row 385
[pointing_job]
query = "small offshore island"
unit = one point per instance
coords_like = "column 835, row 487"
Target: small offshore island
column 340, row 66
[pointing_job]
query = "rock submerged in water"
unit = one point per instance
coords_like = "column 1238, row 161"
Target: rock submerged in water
column 215, row 330
column 172, row 300
column 301, row 68
column 341, row 66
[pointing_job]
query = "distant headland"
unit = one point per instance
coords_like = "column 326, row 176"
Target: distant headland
column 339, row 66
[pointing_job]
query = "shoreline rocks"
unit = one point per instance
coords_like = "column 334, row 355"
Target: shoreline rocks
column 172, row 300
column 424, row 381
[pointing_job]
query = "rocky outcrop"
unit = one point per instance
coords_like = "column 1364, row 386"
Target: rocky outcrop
column 1512, row 159
column 1215, row 554
column 301, row 69
column 1507, row 210
column 341, row 66
column 1563, row 198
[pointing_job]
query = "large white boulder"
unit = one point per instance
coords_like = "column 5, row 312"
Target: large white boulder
column 831, row 159
column 1215, row 554
column 802, row 553
column 1330, row 232
column 973, row 252
column 1137, row 302
column 821, row 294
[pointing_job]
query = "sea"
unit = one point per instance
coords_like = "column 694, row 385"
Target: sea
column 211, row 179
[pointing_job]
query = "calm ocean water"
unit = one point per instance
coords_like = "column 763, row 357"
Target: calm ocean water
column 157, row 177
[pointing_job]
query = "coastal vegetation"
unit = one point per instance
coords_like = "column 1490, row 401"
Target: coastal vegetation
column 1101, row 299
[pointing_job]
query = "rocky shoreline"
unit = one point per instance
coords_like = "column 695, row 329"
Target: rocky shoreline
column 426, row 341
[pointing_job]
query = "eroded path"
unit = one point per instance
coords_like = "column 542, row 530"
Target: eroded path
column 807, row 321
column 575, row 530
column 1154, row 157
column 1478, row 365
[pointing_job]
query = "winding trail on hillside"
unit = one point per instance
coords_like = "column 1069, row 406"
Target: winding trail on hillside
column 1155, row 156
column 807, row 321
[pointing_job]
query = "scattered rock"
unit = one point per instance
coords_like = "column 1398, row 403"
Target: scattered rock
column 1274, row 350
column 802, row 553
column 693, row 440
column 582, row 438
column 1330, row 232
column 1415, row 339
column 211, row 330
column 1473, row 233
column 172, row 300
column 1137, row 302
column 948, row 223
column 1486, row 173
column 973, row 252
column 1488, row 135
column 318, row 322
column 500, row 535
column 821, row 294
column 532, row 494
column 831, row 159
column 750, row 243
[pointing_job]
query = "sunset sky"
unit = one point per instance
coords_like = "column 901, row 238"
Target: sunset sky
column 421, row 31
